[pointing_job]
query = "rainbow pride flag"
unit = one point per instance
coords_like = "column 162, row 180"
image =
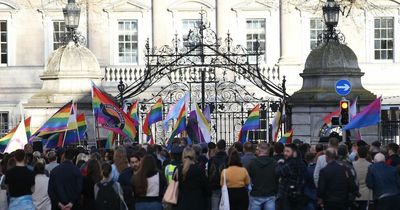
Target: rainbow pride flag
column 287, row 137
column 61, row 139
column 109, row 116
column 5, row 139
column 57, row 123
column 252, row 122
column 111, row 137
column 133, row 112
column 153, row 116
column 180, row 125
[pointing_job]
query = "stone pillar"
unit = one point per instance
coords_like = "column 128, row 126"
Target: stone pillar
column 222, row 11
column 162, row 23
column 290, row 28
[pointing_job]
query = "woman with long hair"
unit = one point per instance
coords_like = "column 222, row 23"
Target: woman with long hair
column 93, row 176
column 40, row 197
column 194, row 188
column 237, row 179
column 120, row 162
column 148, row 185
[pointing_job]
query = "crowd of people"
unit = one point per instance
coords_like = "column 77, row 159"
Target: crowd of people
column 258, row 175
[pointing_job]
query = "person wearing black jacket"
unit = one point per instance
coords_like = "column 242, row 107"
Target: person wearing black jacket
column 215, row 166
column 335, row 184
column 292, row 172
column 264, row 181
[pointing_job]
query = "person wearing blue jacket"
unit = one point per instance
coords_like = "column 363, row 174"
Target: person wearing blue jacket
column 384, row 182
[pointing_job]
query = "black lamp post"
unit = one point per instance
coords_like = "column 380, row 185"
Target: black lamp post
column 121, row 88
column 72, row 14
column 331, row 12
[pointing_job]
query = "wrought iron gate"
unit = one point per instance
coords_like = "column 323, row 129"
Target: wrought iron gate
column 215, row 72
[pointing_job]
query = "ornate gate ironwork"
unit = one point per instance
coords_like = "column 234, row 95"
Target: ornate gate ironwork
column 215, row 72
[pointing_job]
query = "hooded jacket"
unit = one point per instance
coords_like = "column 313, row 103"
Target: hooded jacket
column 264, row 181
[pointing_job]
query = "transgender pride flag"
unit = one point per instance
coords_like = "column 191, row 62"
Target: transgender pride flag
column 370, row 115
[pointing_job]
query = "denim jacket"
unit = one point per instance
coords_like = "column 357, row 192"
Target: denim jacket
column 383, row 180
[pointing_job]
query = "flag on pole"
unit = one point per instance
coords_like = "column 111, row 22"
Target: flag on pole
column 203, row 124
column 174, row 111
column 192, row 128
column 109, row 116
column 133, row 112
column 153, row 116
column 28, row 127
column 18, row 140
column 252, row 122
column 370, row 115
column 207, row 113
column 110, row 140
column 276, row 125
column 180, row 124
column 287, row 137
column 56, row 123
column 5, row 139
column 57, row 139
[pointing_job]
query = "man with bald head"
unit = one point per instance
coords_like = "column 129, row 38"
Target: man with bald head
column 384, row 182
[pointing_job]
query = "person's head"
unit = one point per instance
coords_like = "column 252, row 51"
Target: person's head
column 333, row 142
column 183, row 142
column 148, row 168
column 38, row 168
column 393, row 148
column 362, row 151
column 234, row 159
column 278, row 148
column 248, row 147
column 120, row 158
column 93, row 170
column 342, row 152
column 19, row 155
column 211, row 149
column 319, row 148
column 379, row 157
column 221, row 145
column 197, row 149
column 238, row 146
column 51, row 156
column 134, row 161
column 176, row 153
column 106, row 170
column 290, row 151
column 28, row 149
column 309, row 157
column 188, row 159
column 80, row 159
column 69, row 154
column 330, row 154
column 262, row 149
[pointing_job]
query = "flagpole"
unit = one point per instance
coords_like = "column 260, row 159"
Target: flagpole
column 247, row 135
column 65, row 134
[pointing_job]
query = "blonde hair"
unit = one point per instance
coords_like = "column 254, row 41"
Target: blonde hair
column 188, row 159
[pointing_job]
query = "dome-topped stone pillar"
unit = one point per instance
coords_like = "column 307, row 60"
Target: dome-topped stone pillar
column 325, row 65
column 68, row 75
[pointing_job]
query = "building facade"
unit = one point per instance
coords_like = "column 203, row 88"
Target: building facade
column 116, row 32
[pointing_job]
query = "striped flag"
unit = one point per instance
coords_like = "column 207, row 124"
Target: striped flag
column 287, row 137
column 153, row 116
column 133, row 112
column 5, row 139
column 109, row 116
column 203, row 124
column 252, row 122
column 18, row 139
column 180, row 125
column 276, row 125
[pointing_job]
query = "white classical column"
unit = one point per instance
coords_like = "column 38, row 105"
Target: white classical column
column 222, row 11
column 290, row 33
column 162, row 23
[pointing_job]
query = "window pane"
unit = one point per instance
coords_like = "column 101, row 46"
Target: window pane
column 4, row 58
column 383, row 38
column 127, row 39
column 3, row 26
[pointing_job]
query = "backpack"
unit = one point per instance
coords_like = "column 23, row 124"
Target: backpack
column 107, row 198
column 217, row 164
